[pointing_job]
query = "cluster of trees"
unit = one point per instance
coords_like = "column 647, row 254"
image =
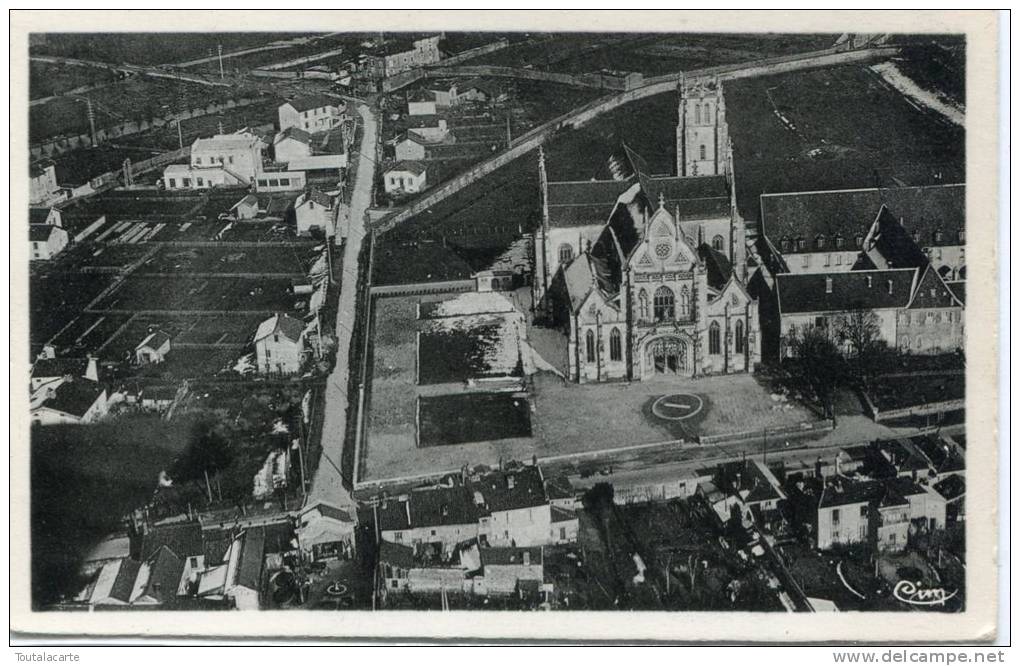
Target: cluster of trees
column 848, row 352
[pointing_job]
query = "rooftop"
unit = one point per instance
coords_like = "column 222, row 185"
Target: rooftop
column 840, row 292
column 184, row 539
column 309, row 102
column 512, row 488
column 75, row 397
column 40, row 232
column 510, row 556
column 289, row 327
column 408, row 166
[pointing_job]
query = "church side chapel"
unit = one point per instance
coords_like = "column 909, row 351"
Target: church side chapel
column 645, row 275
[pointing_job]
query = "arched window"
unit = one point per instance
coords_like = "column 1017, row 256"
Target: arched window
column 859, row 240
column 566, row 254
column 839, row 242
column 717, row 243
column 819, row 241
column 665, row 306
column 707, row 114
column 738, row 331
column 713, row 338
column 702, row 152
column 685, row 303
column 642, row 304
column 697, row 114
column 615, row 348
column 919, row 343
column 589, row 346
column 801, row 243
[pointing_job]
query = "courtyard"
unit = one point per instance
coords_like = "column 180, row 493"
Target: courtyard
column 411, row 419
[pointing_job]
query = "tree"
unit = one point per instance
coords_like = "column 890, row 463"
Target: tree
column 820, row 367
column 207, row 451
column 859, row 330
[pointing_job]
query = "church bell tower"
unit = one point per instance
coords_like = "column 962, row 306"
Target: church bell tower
column 701, row 136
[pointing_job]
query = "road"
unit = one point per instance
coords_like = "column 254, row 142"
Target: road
column 328, row 483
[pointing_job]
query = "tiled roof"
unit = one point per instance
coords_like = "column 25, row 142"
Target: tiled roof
column 579, row 281
column 421, row 95
column 558, row 514
column 330, row 511
column 959, row 289
column 38, row 216
column 717, row 264
column 315, row 196
column 511, row 489
column 510, row 556
column 951, row 487
column 59, row 367
column 75, row 397
column 288, row 326
column 184, row 539
column 871, row 290
column 396, row 555
column 124, row 584
column 894, row 245
column 410, row 166
column 154, row 340
column 249, row 568
column 295, row 133
column 309, row 102
column 690, row 197
column 249, row 200
column 583, row 203
column 850, row 212
column 932, row 291
column 165, row 569
column 846, row 492
column 559, row 487
column 40, row 232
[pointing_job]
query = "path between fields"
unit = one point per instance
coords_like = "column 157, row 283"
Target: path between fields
column 892, row 75
column 328, row 483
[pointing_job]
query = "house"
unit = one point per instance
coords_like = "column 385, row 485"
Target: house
column 280, row 178
column 77, row 400
column 311, row 113
column 513, row 507
column 153, row 348
column 291, row 144
column 185, row 541
column 111, row 549
column 437, row 518
column 421, row 103
column 883, row 513
column 475, row 90
column 125, row 582
column 49, row 369
column 223, row 160
column 806, row 300
column 157, row 398
column 827, row 231
column 411, row 147
column 405, row 177
column 279, row 345
column 315, row 210
column 246, row 209
column 244, row 569
column 325, row 532
column 505, row 569
column 45, row 241
column 933, row 321
column 400, row 54
column 115, row 584
column 953, row 490
column 43, row 189
column 444, row 93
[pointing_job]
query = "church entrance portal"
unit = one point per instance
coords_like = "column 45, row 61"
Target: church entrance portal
column 668, row 356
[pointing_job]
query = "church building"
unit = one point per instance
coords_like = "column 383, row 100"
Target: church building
column 645, row 274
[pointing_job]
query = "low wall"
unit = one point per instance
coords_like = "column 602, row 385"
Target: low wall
column 472, row 71
column 919, row 410
column 451, row 286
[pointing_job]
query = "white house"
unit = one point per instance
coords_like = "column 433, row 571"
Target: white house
column 325, row 532
column 411, row 147
column 46, row 241
column 312, row 210
column 280, row 179
column 246, row 209
column 224, row 160
column 519, row 514
column 279, row 345
column 421, row 103
column 311, row 113
column 71, row 401
column 43, row 189
column 153, row 349
column 406, row 176
column 291, row 144
column 244, row 569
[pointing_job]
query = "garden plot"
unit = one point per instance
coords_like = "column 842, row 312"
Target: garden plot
column 295, row 260
column 472, row 417
column 88, row 334
column 184, row 294
column 57, row 297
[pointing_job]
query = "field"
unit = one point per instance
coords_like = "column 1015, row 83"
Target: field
column 47, row 79
column 150, row 48
column 133, row 99
column 56, row 297
column 835, row 128
column 274, row 259
column 138, row 293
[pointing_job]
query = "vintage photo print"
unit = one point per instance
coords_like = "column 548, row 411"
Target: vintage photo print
column 421, row 321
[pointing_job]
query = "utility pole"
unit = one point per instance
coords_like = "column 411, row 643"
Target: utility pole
column 92, row 120
column 219, row 53
column 764, row 444
column 508, row 138
column 180, row 135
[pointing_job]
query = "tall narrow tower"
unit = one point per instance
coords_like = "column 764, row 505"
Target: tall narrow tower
column 702, row 138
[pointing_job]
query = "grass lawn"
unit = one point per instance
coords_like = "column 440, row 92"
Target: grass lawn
column 46, row 79
column 910, row 390
column 191, row 293
column 472, row 417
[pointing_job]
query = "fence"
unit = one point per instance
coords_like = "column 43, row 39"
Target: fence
column 422, row 288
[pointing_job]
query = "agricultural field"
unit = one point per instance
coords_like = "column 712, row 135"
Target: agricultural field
column 297, row 48
column 56, row 297
column 834, row 128
column 48, row 79
column 293, row 260
column 936, row 63
column 169, row 294
column 137, row 98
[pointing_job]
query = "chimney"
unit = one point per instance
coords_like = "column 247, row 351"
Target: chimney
column 510, row 481
column 527, row 558
column 836, row 465
column 407, row 510
column 385, row 501
column 92, row 370
column 889, row 282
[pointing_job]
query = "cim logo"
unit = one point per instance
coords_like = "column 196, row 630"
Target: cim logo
column 914, row 594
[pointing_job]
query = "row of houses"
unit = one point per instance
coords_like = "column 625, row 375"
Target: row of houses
column 187, row 563
column 896, row 252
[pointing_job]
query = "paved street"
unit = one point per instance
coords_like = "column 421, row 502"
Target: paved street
column 328, row 482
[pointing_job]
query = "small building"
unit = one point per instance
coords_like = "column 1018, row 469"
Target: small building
column 244, row 569
column 50, row 369
column 506, row 568
column 223, row 160
column 314, row 210
column 279, row 345
column 280, row 178
column 475, row 90
column 437, row 518
column 405, row 177
column 421, row 103
column 43, row 189
column 311, row 113
column 513, row 506
column 246, row 209
column 411, row 147
column 153, row 349
column 46, row 241
column 325, row 532
column 291, row 144
column 444, row 93
column 72, row 401
column 157, row 398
